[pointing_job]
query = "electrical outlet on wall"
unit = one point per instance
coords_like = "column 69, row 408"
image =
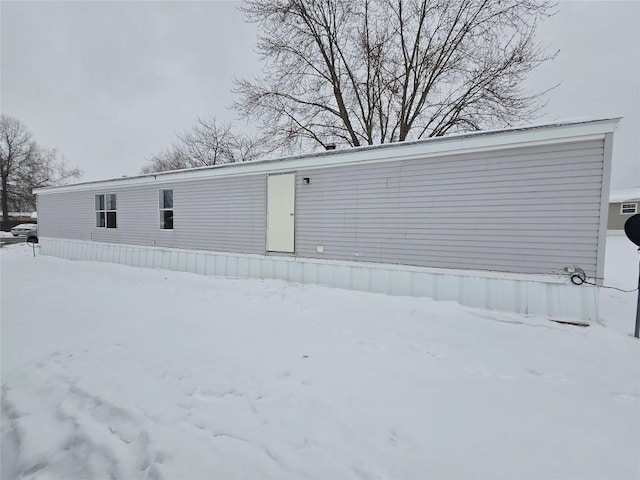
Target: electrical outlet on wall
column 320, row 248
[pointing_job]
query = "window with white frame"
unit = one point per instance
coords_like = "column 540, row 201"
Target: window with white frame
column 106, row 210
column 166, row 209
column 628, row 208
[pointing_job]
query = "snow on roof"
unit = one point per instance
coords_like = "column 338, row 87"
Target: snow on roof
column 624, row 195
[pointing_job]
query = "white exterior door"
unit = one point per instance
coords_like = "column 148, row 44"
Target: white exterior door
column 281, row 192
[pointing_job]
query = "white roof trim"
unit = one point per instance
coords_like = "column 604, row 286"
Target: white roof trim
column 440, row 146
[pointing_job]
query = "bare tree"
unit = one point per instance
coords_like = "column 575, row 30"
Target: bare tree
column 24, row 165
column 377, row 71
column 208, row 142
column 170, row 159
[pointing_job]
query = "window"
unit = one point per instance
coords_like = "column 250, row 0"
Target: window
column 166, row 209
column 629, row 208
column 106, row 210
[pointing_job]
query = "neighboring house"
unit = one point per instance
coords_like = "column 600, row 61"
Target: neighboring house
column 622, row 205
column 487, row 219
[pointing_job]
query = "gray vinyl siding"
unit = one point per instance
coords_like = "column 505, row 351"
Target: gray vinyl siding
column 66, row 215
column 222, row 214
column 521, row 210
column 528, row 210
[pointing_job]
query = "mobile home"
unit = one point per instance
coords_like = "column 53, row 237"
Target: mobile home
column 488, row 219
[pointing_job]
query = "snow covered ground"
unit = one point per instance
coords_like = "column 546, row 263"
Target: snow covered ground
column 113, row 371
column 618, row 309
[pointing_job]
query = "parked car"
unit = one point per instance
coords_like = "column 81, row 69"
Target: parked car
column 29, row 230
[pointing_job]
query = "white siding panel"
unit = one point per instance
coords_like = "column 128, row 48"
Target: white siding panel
column 527, row 294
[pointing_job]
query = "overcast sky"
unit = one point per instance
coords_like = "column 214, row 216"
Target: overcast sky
column 110, row 83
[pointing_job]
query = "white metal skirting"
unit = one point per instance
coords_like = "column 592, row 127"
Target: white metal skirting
column 528, row 294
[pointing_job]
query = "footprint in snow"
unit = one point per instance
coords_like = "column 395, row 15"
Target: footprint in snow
column 552, row 376
column 485, row 372
column 371, row 345
column 211, row 396
column 92, row 435
column 423, row 351
column 626, row 396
